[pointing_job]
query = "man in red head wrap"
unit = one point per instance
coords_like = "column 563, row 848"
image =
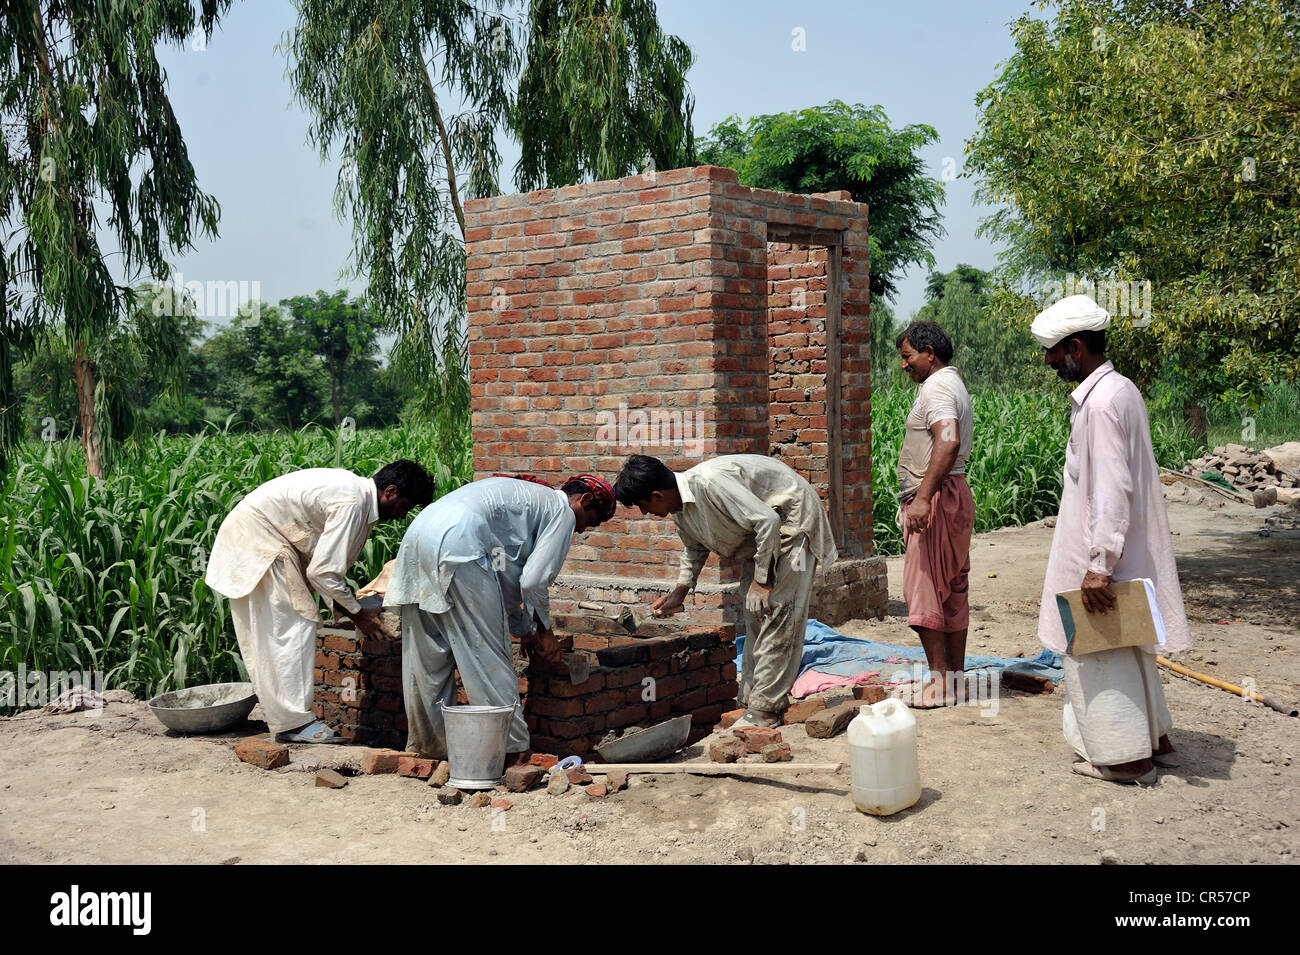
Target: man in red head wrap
column 472, row 572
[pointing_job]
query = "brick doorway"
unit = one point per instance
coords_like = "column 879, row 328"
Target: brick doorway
column 805, row 276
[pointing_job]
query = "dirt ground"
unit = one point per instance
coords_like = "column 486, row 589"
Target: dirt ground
column 997, row 786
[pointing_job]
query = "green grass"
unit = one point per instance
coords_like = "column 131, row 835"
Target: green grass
column 108, row 575
column 1277, row 421
column 1016, row 463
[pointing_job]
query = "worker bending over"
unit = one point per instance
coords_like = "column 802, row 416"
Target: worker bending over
column 472, row 571
column 294, row 534
column 756, row 509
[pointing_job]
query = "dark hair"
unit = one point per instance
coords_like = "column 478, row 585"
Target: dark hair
column 1094, row 341
column 641, row 476
column 411, row 480
column 923, row 335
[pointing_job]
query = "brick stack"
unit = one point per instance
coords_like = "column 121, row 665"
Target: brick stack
column 359, row 685
column 635, row 682
column 632, row 682
column 656, row 314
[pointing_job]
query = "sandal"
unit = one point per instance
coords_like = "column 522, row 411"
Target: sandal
column 317, row 731
column 1168, row 760
column 1085, row 768
column 753, row 718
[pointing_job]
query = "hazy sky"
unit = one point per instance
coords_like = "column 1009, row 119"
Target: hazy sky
column 922, row 61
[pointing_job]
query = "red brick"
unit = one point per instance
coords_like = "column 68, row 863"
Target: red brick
column 596, row 791
column 520, row 779
column 756, row 737
column 800, row 711
column 415, row 767
column 262, row 753
column 726, row 749
column 730, row 717
column 871, row 692
column 377, row 761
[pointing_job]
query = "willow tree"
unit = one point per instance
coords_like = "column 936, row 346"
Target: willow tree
column 413, row 95
column 88, row 132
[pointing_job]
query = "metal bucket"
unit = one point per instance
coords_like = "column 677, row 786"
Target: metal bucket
column 476, row 744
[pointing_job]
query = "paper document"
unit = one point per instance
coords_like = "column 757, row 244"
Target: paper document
column 1134, row 621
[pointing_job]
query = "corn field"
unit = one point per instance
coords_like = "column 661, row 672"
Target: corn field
column 1016, row 459
column 107, row 575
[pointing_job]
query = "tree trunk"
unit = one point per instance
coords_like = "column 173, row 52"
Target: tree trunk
column 1194, row 416
column 84, row 372
column 334, row 397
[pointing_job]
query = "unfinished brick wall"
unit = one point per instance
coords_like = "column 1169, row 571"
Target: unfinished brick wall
column 631, row 682
column 651, row 314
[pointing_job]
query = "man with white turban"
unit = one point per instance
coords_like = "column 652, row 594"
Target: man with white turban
column 1112, row 526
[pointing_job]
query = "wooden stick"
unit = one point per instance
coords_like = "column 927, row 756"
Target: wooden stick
column 1284, row 708
column 712, row 769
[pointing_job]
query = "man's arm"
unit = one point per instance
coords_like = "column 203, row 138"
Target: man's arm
column 694, row 556
column 947, row 445
column 1107, row 478
column 328, row 569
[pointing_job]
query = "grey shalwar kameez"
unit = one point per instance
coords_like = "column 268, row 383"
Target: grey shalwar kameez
column 472, row 571
column 756, row 509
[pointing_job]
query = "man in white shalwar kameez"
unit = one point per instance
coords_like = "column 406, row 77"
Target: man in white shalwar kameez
column 473, row 570
column 752, row 508
column 1112, row 526
column 294, row 534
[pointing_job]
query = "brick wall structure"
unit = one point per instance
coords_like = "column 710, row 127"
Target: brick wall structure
column 631, row 682
column 682, row 315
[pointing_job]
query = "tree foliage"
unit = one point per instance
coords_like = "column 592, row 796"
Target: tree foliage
column 589, row 88
column 87, row 125
column 602, row 95
column 836, row 146
column 1158, row 142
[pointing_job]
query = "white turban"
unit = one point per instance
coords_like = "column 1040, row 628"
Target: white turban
column 1076, row 313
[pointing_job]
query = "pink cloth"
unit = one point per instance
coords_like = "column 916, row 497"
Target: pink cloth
column 1112, row 518
column 936, row 563
column 810, row 682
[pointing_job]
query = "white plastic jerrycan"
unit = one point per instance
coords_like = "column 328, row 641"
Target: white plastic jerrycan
column 882, row 755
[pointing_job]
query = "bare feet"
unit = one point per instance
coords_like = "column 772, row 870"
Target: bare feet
column 942, row 689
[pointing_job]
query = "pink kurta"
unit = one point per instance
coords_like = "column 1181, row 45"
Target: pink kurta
column 1112, row 518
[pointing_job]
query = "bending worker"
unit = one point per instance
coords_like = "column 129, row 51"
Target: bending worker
column 756, row 509
column 293, row 534
column 472, row 571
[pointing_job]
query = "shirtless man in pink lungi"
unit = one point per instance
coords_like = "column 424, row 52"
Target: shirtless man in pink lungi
column 937, row 512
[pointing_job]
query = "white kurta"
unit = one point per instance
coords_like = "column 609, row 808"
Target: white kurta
column 324, row 515
column 746, row 506
column 305, row 528
column 1112, row 521
column 1112, row 517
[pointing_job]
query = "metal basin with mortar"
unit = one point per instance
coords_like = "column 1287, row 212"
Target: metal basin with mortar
column 204, row 709
column 648, row 744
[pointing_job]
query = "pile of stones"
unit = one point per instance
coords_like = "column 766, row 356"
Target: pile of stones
column 1245, row 468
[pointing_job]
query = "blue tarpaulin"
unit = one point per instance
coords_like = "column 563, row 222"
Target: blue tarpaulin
column 826, row 650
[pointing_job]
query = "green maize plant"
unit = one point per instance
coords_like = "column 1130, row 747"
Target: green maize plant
column 107, row 575
column 1016, row 463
